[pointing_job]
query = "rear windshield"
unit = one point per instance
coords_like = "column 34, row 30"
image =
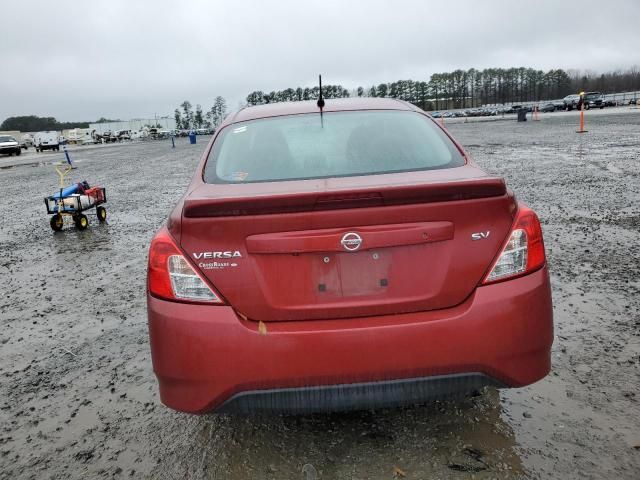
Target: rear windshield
column 339, row 144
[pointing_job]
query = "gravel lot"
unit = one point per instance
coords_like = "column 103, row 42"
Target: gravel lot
column 78, row 398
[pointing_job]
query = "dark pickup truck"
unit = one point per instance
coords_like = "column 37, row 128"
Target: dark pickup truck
column 591, row 100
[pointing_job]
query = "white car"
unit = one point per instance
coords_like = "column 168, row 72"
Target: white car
column 9, row 145
column 27, row 141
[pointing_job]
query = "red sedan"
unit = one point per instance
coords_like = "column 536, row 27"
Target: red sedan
column 348, row 258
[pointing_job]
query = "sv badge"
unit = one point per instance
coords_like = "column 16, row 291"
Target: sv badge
column 480, row 235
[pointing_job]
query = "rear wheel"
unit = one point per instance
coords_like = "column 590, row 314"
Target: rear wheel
column 56, row 222
column 82, row 222
column 101, row 212
column 19, row 151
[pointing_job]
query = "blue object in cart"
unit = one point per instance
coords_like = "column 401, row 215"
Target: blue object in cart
column 70, row 190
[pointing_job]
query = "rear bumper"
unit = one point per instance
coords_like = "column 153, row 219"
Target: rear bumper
column 206, row 358
column 353, row 396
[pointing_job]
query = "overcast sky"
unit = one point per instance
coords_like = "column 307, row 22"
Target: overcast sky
column 83, row 60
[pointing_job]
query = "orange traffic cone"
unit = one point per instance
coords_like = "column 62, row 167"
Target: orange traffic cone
column 582, row 130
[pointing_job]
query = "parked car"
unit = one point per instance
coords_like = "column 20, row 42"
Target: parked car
column 9, row 145
column 27, row 141
column 594, row 100
column 123, row 135
column 591, row 100
column 24, row 139
column 49, row 140
column 355, row 258
column 547, row 107
column 634, row 101
column 571, row 101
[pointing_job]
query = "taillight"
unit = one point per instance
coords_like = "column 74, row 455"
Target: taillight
column 171, row 276
column 524, row 251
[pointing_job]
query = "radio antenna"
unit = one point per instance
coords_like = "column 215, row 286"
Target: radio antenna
column 320, row 100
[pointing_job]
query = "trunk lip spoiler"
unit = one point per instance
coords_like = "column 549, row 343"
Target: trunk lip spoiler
column 208, row 205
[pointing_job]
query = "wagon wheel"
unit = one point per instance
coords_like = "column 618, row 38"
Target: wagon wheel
column 101, row 212
column 56, row 222
column 82, row 222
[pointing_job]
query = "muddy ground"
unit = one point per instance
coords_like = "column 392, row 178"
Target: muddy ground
column 78, row 398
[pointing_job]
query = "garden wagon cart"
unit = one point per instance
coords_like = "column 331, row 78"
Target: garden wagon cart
column 73, row 200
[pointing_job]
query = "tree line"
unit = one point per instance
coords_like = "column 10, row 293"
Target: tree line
column 258, row 97
column 471, row 88
column 458, row 89
column 187, row 118
column 33, row 123
column 609, row 82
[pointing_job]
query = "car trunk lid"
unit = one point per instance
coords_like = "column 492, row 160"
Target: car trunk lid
column 347, row 247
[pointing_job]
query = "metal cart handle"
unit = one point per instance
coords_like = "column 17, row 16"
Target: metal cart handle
column 63, row 173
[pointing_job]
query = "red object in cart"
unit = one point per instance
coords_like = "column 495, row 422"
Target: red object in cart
column 97, row 193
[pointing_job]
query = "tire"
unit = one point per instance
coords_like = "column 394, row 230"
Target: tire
column 81, row 221
column 56, row 222
column 586, row 107
column 18, row 152
column 101, row 213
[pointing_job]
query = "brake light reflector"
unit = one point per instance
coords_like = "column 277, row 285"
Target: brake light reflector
column 524, row 251
column 170, row 276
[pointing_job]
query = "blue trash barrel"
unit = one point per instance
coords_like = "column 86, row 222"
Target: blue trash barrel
column 192, row 138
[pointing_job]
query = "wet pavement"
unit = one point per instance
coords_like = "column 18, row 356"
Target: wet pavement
column 78, row 398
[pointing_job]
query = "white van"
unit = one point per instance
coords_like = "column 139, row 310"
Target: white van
column 49, row 140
